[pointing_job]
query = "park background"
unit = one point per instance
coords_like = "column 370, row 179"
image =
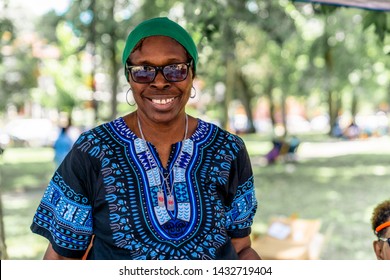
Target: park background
column 268, row 70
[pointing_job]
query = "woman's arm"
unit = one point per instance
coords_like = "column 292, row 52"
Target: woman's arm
column 50, row 254
column 244, row 249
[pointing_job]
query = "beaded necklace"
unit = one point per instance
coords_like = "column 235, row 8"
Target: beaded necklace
column 160, row 193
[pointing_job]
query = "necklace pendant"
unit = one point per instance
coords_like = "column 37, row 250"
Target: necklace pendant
column 171, row 203
column 160, row 198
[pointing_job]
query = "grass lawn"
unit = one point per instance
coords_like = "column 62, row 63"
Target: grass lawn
column 24, row 175
column 338, row 182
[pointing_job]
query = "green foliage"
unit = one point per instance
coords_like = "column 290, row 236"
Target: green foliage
column 7, row 33
column 47, row 24
column 324, row 9
column 380, row 21
column 18, row 73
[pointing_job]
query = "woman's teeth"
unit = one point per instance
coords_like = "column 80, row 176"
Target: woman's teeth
column 162, row 101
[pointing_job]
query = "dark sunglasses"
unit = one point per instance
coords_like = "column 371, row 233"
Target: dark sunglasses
column 144, row 74
column 385, row 239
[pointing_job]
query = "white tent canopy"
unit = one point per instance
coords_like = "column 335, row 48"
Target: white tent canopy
column 379, row 5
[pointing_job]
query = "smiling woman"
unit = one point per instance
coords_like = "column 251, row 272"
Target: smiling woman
column 156, row 183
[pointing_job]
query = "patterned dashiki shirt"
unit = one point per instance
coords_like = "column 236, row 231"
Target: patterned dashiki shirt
column 107, row 188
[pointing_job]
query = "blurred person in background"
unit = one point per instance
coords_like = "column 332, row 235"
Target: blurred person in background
column 352, row 131
column 156, row 183
column 380, row 222
column 62, row 145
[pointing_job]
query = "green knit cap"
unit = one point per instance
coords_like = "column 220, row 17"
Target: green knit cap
column 164, row 27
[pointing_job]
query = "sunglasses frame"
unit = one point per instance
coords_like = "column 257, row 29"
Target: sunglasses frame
column 385, row 239
column 157, row 69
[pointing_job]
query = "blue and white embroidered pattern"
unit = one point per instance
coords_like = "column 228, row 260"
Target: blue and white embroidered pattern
column 66, row 215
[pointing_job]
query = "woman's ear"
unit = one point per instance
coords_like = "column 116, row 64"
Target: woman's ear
column 377, row 249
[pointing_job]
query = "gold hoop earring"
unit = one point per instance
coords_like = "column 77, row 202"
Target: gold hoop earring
column 193, row 92
column 127, row 99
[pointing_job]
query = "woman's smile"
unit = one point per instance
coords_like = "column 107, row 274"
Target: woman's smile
column 163, row 101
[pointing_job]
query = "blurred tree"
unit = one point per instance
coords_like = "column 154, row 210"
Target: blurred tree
column 347, row 53
column 381, row 23
column 7, row 35
column 61, row 76
column 18, row 67
column 377, row 16
column 47, row 24
column 229, row 33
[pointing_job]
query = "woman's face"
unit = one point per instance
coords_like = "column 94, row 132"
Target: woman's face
column 161, row 101
column 382, row 248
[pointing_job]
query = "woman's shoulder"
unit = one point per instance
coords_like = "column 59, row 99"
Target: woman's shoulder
column 220, row 132
column 97, row 134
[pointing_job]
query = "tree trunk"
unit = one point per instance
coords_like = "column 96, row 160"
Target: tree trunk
column 284, row 113
column 246, row 97
column 328, row 57
column 230, row 72
column 388, row 95
column 268, row 93
column 355, row 101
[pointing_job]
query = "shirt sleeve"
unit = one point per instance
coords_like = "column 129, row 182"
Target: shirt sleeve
column 241, row 207
column 64, row 215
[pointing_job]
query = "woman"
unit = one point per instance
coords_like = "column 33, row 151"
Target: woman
column 380, row 222
column 156, row 183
